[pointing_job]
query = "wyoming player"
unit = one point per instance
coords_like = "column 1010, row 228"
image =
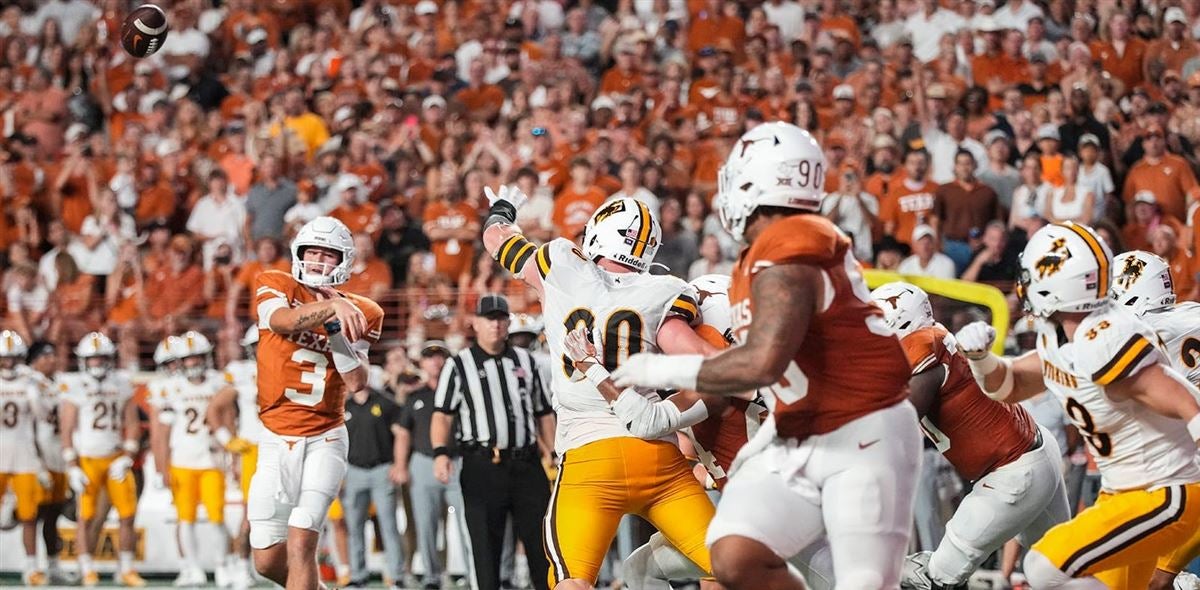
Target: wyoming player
column 100, row 437
column 159, row 389
column 21, row 470
column 311, row 353
column 605, row 471
column 195, row 475
column 43, row 366
column 1140, row 417
column 235, row 409
column 1143, row 283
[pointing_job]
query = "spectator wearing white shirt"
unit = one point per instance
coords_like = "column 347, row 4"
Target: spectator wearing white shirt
column 710, row 260
column 28, row 301
column 186, row 47
column 631, row 186
column 305, row 210
column 855, row 211
column 928, row 25
column 890, row 27
column 100, row 238
column 1015, row 14
column 1094, row 175
column 943, row 146
column 72, row 16
column 218, row 217
column 788, row 15
column 536, row 217
column 58, row 237
column 926, row 260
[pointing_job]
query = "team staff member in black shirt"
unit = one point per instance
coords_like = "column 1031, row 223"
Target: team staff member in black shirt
column 372, row 423
column 496, row 393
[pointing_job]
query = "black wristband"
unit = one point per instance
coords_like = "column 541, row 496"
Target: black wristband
column 505, row 210
column 441, row 452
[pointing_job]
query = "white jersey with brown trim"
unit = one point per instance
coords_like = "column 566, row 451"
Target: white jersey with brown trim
column 623, row 311
column 100, row 421
column 192, row 444
column 49, row 433
column 243, row 375
column 1178, row 326
column 1134, row 447
column 18, row 424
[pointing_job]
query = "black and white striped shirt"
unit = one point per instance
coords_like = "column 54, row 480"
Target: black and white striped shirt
column 497, row 398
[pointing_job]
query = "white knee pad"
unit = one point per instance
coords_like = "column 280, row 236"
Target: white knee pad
column 640, row 572
column 267, row 532
column 859, row 579
column 310, row 511
column 1042, row 574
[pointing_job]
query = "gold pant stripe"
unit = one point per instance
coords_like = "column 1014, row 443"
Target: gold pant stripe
column 553, row 551
column 1130, row 532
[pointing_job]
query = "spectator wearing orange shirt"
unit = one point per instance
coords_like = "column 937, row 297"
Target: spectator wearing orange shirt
column 574, row 205
column 1174, row 48
column 483, row 100
column 1145, row 217
column 1164, row 241
column 267, row 256
column 711, row 23
column 156, row 200
column 452, row 226
column 1048, row 141
column 369, row 276
column 355, row 210
column 1166, row 176
column 1123, row 54
column 625, row 75
column 911, row 201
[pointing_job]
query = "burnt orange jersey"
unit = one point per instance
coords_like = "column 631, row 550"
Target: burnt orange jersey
column 975, row 433
column 719, row 437
column 850, row 364
column 299, row 391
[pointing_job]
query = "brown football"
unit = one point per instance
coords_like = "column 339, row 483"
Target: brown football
column 144, row 30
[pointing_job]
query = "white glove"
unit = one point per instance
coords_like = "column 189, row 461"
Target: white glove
column 659, row 371
column 119, row 468
column 975, row 339
column 578, row 347
column 508, row 193
column 45, row 480
column 77, row 479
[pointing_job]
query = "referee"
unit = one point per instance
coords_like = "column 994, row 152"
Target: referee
column 495, row 392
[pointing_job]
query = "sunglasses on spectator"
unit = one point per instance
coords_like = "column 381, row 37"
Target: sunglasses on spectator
column 538, row 131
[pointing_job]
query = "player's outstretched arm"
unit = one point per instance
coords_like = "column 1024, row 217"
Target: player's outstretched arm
column 504, row 240
column 1003, row 379
column 1164, row 391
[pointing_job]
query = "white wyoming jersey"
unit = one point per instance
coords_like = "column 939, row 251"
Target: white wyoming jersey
column 1134, row 447
column 18, row 423
column 192, row 446
column 160, row 388
column 625, row 311
column 1178, row 327
column 243, row 375
column 100, row 423
column 49, row 434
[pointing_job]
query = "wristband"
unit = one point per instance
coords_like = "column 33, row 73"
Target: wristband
column 984, row 366
column 504, row 210
column 130, row 446
column 223, row 436
column 597, row 374
column 69, row 455
column 1193, row 427
column 345, row 359
column 441, row 451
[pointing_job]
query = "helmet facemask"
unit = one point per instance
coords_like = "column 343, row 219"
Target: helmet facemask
column 8, row 366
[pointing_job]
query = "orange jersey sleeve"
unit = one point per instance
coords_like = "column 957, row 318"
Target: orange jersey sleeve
column 299, row 391
column 921, row 347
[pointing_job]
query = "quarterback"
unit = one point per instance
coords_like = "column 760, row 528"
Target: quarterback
column 1143, row 283
column 1140, row 418
column 841, row 434
column 1013, row 462
column 312, row 351
column 100, row 434
column 605, row 471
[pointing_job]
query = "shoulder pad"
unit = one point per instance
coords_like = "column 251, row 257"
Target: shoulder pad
column 1112, row 345
column 561, row 252
column 799, row 239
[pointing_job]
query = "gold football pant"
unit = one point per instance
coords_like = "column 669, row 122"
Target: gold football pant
column 192, row 487
column 28, row 491
column 1121, row 537
column 601, row 482
column 123, row 494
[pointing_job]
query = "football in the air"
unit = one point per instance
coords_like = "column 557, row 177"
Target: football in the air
column 144, row 30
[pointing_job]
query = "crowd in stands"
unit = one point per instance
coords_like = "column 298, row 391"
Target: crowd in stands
column 144, row 195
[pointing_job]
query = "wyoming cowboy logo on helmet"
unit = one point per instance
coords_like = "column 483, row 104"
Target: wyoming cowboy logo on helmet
column 1053, row 260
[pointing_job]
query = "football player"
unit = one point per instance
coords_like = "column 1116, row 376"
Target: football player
column 100, row 433
column 604, row 471
column 1140, row 418
column 235, row 409
column 195, row 476
column 43, row 364
column 160, row 388
column 21, row 468
column 312, row 351
column 842, row 434
column 1143, row 283
column 1018, row 487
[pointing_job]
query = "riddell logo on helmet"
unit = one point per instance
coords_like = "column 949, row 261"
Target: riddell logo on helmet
column 623, row 259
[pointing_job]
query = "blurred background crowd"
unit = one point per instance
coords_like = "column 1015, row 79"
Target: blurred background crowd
column 143, row 196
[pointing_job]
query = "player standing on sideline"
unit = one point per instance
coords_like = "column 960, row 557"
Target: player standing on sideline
column 21, row 468
column 195, row 477
column 98, row 413
column 1140, row 417
column 43, row 368
column 235, row 409
column 312, row 351
column 1018, row 487
column 1143, row 283
column 160, row 388
column 842, row 434
column 605, row 472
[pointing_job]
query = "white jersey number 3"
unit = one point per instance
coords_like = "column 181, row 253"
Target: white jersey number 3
column 314, row 378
